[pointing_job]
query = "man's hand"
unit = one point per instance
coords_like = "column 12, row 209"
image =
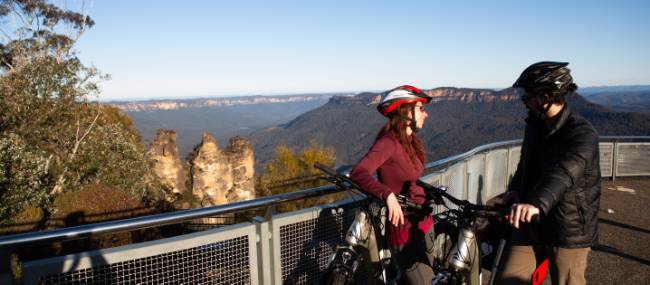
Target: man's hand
column 522, row 213
column 395, row 215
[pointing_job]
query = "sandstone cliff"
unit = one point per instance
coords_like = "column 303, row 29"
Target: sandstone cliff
column 240, row 155
column 167, row 162
column 222, row 176
column 468, row 95
column 176, row 104
column 441, row 94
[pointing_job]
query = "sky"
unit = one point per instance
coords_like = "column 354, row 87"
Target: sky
column 185, row 49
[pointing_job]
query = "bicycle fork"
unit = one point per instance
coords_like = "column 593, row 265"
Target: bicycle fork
column 366, row 231
column 497, row 260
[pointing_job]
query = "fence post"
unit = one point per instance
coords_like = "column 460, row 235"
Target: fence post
column 614, row 160
column 466, row 182
column 264, row 263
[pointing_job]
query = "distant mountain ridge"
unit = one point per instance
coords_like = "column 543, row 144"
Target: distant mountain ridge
column 221, row 117
column 459, row 119
column 621, row 98
column 439, row 94
column 176, row 104
column 585, row 91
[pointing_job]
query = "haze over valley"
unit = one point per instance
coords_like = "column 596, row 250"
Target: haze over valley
column 460, row 118
column 222, row 117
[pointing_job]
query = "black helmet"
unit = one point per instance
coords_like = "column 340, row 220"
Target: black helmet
column 546, row 76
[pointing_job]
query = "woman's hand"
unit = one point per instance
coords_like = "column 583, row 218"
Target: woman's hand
column 395, row 215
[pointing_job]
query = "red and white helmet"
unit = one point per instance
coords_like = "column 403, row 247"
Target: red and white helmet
column 404, row 94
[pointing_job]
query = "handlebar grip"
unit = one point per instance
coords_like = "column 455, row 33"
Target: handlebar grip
column 536, row 218
column 426, row 185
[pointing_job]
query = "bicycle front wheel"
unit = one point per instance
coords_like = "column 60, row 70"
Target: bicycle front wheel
column 338, row 276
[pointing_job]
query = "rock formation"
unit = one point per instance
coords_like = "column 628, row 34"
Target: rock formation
column 471, row 95
column 440, row 94
column 167, row 162
column 240, row 155
column 220, row 177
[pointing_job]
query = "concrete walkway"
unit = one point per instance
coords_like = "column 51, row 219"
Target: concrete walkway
column 622, row 255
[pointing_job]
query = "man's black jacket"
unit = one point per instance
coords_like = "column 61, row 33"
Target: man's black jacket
column 559, row 172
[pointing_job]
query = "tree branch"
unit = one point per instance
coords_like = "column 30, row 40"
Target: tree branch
column 9, row 65
column 22, row 19
column 76, row 137
column 58, row 187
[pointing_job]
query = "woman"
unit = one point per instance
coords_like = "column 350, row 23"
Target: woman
column 397, row 156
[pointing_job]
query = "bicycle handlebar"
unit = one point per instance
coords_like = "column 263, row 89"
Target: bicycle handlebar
column 433, row 193
column 437, row 193
column 347, row 183
column 337, row 178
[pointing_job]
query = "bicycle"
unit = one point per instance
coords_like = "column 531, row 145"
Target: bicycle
column 462, row 252
column 458, row 258
column 367, row 234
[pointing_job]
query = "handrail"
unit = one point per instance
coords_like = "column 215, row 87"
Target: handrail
column 465, row 155
column 510, row 143
column 158, row 219
column 622, row 138
column 185, row 215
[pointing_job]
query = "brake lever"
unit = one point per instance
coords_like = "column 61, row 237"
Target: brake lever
column 407, row 203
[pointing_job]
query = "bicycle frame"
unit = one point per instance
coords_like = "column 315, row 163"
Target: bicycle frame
column 460, row 262
column 367, row 231
column 463, row 265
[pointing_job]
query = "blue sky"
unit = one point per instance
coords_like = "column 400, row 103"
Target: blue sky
column 183, row 49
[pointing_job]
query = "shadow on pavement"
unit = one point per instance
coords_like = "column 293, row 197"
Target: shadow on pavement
column 622, row 225
column 614, row 251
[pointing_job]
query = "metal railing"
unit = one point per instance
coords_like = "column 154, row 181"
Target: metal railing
column 290, row 247
column 463, row 156
column 157, row 220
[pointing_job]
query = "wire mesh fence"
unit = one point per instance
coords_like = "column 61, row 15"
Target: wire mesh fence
column 223, row 262
column 304, row 240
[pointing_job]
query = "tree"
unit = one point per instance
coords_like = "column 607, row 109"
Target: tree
column 290, row 172
column 20, row 168
column 53, row 136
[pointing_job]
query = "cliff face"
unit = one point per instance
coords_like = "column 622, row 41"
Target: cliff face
column 152, row 105
column 167, row 162
column 459, row 119
column 467, row 95
column 441, row 94
column 240, row 155
column 220, row 177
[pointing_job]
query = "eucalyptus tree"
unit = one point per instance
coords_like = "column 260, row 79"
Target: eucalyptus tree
column 54, row 135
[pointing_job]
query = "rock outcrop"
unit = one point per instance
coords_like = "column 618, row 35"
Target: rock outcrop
column 222, row 176
column 441, row 94
column 468, row 95
column 240, row 155
column 167, row 162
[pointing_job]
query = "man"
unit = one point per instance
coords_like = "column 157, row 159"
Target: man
column 558, row 178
